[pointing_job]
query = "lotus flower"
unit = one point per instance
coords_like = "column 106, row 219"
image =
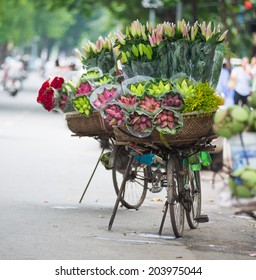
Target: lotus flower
column 149, row 104
column 84, row 88
column 128, row 102
column 167, row 122
column 140, row 122
column 114, row 115
column 104, row 97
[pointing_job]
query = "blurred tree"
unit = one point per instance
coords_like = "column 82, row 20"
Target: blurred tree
column 52, row 26
column 16, row 24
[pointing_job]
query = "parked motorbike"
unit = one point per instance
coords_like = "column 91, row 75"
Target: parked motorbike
column 13, row 86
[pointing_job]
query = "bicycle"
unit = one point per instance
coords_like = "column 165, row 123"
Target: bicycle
column 168, row 168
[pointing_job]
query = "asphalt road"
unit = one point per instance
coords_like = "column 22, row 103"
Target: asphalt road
column 43, row 172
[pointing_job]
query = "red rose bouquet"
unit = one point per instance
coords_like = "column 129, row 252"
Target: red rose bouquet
column 51, row 94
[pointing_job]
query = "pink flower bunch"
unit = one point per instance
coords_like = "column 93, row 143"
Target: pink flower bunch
column 140, row 122
column 127, row 101
column 104, row 97
column 167, row 122
column 114, row 115
column 85, row 88
column 149, row 104
column 46, row 92
column 171, row 100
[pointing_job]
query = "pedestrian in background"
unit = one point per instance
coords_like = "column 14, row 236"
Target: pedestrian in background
column 241, row 77
column 253, row 72
column 222, row 86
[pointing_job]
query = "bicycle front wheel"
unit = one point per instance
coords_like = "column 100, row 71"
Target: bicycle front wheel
column 174, row 189
column 195, row 194
column 136, row 182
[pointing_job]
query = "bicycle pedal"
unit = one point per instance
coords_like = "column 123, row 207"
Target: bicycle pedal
column 202, row 219
column 156, row 189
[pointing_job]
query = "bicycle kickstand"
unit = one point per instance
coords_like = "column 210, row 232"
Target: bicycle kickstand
column 166, row 205
column 127, row 170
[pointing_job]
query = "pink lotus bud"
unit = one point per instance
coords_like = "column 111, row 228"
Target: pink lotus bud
column 160, row 29
column 84, row 88
column 223, row 36
column 118, row 115
column 136, row 126
column 101, row 98
column 97, row 103
column 119, row 122
column 151, row 41
column 111, row 112
column 143, row 126
column 203, row 28
column 107, row 94
column 120, row 37
column 143, row 119
column 159, row 38
column 170, row 119
column 158, row 122
column 164, row 124
column 133, row 29
column 99, row 44
column 163, row 118
column 108, row 118
column 171, row 125
column 177, row 103
column 149, row 123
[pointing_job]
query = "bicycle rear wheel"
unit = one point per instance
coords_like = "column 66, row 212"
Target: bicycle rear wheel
column 195, row 193
column 174, row 188
column 136, row 183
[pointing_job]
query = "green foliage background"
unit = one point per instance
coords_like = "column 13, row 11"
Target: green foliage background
column 66, row 24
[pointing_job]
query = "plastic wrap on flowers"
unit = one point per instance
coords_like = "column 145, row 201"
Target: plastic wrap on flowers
column 168, row 122
column 179, row 57
column 90, row 62
column 135, row 86
column 163, row 63
column 127, row 102
column 158, row 87
column 105, row 79
column 145, row 68
column 104, row 95
column 106, row 61
column 217, row 65
column 149, row 105
column 66, row 103
column 92, row 74
column 139, row 125
column 127, row 70
column 113, row 114
column 202, row 57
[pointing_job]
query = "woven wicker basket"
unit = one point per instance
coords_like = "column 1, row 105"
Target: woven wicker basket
column 195, row 126
column 88, row 126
